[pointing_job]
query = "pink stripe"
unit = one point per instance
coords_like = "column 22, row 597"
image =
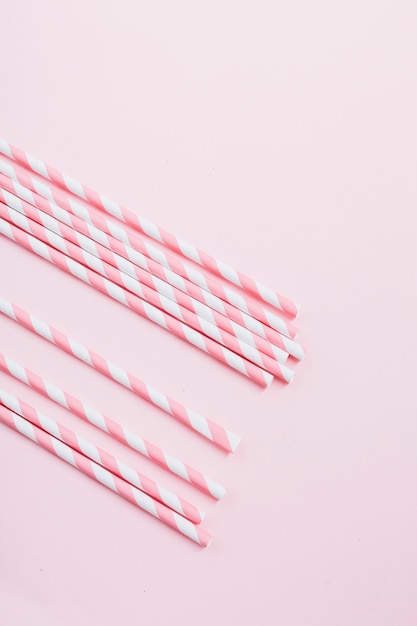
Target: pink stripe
column 253, row 305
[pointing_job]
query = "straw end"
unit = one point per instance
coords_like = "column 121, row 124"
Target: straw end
column 234, row 441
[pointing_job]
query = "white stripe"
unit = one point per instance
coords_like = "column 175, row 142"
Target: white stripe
column 24, row 193
column 61, row 215
column 243, row 334
column 87, row 244
column 74, row 186
column 253, row 325
column 154, row 314
column 199, row 423
column 164, row 288
column 124, row 265
column 115, row 292
column 42, row 189
column 189, row 251
column 203, row 311
column 234, row 440
column 294, row 348
column 156, row 254
column 12, row 201
column 56, row 241
column 215, row 489
column 137, row 257
column 80, row 351
column 94, row 417
column 42, row 329
column 269, row 295
column 98, row 235
column 93, row 262
column 229, row 273
column 77, row 269
column 175, row 279
column 131, row 284
column 196, row 277
column 234, row 361
column 250, row 353
column 177, row 467
column 187, row 528
column 170, row 499
column 280, row 355
column 135, row 442
column 112, row 207
column 129, row 474
column 195, row 338
column 6, row 229
column 63, row 451
column 145, row 502
column 10, row 401
column 277, row 323
column 172, row 308
column 49, row 425
column 5, row 148
column 55, row 393
column 159, row 399
column 104, row 476
column 37, row 166
column 150, row 229
column 236, row 299
column 118, row 374
column 24, row 427
column 6, row 307
column 287, row 373
column 89, row 450
column 211, row 330
column 19, row 220
column 117, row 232
column 17, row 370
column 8, row 170
column 79, row 210
column 49, row 222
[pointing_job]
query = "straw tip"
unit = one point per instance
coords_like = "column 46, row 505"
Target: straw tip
column 289, row 376
column 218, row 491
column 234, row 441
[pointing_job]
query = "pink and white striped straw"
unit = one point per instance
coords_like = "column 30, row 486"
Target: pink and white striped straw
column 118, row 254
column 131, row 301
column 244, row 302
column 106, row 478
column 103, row 458
column 152, row 230
column 110, row 426
column 66, row 225
column 211, row 430
column 134, row 286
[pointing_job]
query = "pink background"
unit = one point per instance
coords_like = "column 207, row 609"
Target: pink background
column 282, row 138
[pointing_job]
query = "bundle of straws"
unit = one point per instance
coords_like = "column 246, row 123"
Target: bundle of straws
column 109, row 247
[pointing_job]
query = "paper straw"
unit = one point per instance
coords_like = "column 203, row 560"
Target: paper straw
column 206, row 305
column 206, row 427
column 63, row 226
column 106, row 478
column 110, row 426
column 145, row 309
column 103, row 458
column 243, row 302
column 123, row 280
column 180, row 246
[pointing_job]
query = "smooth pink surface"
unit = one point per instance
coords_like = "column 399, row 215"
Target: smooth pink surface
column 283, row 140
